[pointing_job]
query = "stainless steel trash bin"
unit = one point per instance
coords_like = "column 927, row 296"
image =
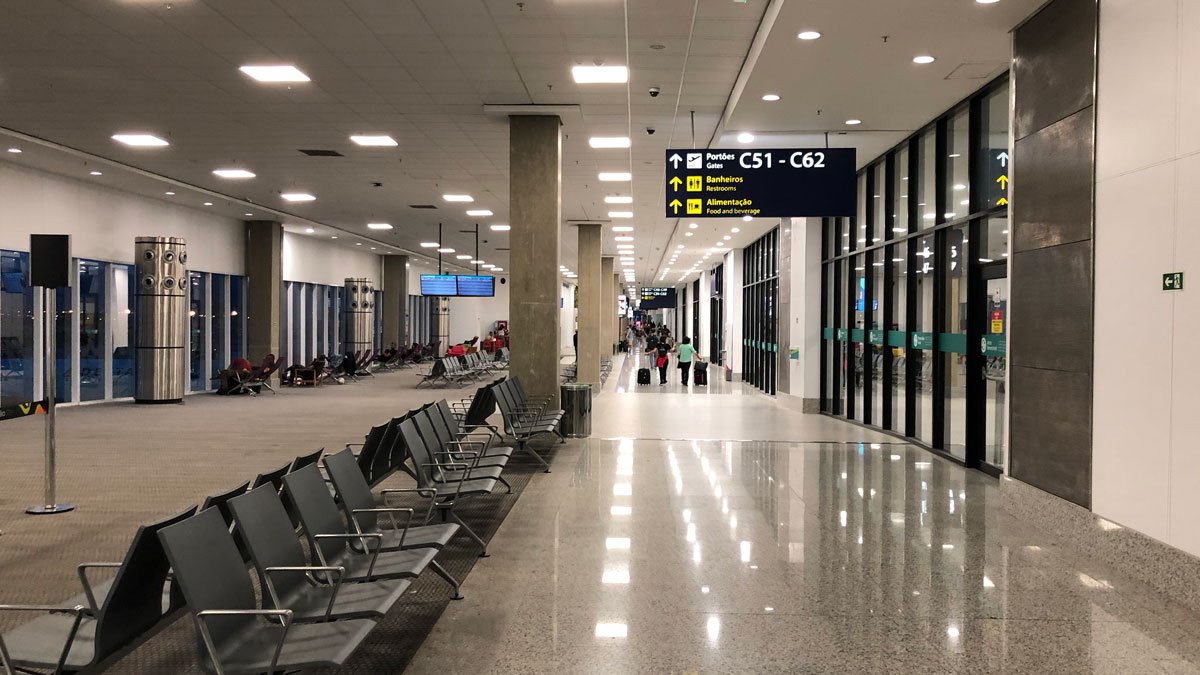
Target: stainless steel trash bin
column 577, row 406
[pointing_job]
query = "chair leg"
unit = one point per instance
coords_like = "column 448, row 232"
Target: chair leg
column 501, row 479
column 441, row 572
column 470, row 533
column 525, row 447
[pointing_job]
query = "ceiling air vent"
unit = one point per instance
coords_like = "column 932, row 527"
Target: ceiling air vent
column 501, row 249
column 421, row 206
column 322, row 153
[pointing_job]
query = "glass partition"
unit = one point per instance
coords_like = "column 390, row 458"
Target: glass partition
column 93, row 334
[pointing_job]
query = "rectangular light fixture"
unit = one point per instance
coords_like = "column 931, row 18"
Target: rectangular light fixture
column 624, row 238
column 379, row 226
column 602, row 142
column 478, row 262
column 430, row 244
column 622, row 228
column 620, row 214
column 615, row 176
column 500, row 227
column 297, row 197
column 445, row 250
column 618, row 199
column 140, row 140
column 600, row 74
column 233, row 173
column 479, row 212
column 458, row 198
column 375, row 141
column 462, row 256
column 275, row 73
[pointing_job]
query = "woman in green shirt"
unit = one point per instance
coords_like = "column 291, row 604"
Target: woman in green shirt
column 686, row 351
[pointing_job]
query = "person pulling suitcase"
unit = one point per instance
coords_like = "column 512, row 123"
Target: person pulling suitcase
column 686, row 353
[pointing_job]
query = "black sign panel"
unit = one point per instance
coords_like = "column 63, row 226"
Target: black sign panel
column 777, row 183
column 658, row 297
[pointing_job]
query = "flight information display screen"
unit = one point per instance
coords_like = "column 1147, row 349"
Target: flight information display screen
column 658, row 298
column 439, row 284
column 482, row 286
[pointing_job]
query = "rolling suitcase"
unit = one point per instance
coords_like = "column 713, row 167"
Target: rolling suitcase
column 700, row 377
column 643, row 376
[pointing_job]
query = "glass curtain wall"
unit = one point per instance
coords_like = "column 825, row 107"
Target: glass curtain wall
column 760, row 295
column 914, row 304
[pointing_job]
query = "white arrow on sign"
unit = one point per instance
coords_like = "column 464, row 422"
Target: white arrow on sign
column 675, row 160
column 1003, row 157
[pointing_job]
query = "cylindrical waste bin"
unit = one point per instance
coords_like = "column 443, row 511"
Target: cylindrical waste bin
column 577, row 409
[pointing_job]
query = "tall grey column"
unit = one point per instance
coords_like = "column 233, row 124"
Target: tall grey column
column 591, row 291
column 441, row 311
column 395, row 300
column 162, row 319
column 264, row 271
column 535, row 213
column 608, row 307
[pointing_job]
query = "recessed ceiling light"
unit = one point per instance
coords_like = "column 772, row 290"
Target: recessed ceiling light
column 727, row 237
column 233, row 173
column 735, row 230
column 445, row 250
column 140, row 140
column 275, row 73
column 853, row 122
column 602, row 142
column 808, row 35
column 770, row 97
column 615, row 176
column 375, row 141
column 923, row 59
column 430, row 244
column 622, row 228
column 687, row 234
column 372, row 248
column 747, row 218
column 501, row 227
column 334, row 237
column 297, row 197
column 497, row 269
column 379, row 226
column 692, row 226
column 745, row 137
column 358, row 243
column 462, row 256
column 624, row 238
column 169, row 193
column 479, row 212
column 15, row 151
column 477, row 262
column 309, row 230
column 600, row 74
column 249, row 215
column 620, row 214
column 208, row 203
column 488, row 267
column 95, row 173
column 458, row 198
column 679, row 246
column 618, row 199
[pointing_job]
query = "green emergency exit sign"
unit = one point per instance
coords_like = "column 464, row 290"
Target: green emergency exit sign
column 1173, row 281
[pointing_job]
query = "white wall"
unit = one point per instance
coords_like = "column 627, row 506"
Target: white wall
column 313, row 261
column 566, row 319
column 103, row 222
column 705, row 336
column 1146, row 463
column 804, row 324
column 733, row 309
column 471, row 317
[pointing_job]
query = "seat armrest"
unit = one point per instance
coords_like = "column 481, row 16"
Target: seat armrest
column 308, row 570
column 285, row 619
column 81, row 570
column 79, row 611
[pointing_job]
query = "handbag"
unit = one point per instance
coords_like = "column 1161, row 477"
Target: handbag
column 661, row 361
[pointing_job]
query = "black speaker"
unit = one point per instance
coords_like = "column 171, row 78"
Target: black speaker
column 50, row 260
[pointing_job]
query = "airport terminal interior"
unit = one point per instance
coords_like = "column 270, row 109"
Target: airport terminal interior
column 598, row 336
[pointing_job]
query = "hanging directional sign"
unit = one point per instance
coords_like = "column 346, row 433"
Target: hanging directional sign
column 774, row 183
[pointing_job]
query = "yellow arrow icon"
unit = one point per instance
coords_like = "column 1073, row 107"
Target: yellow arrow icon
column 1002, row 202
column 675, row 182
column 1003, row 181
column 675, row 204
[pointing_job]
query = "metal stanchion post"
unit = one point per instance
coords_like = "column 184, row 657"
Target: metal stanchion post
column 50, row 316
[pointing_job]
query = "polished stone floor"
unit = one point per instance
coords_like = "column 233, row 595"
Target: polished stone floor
column 711, row 556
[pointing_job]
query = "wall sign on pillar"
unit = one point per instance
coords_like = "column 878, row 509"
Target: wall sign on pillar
column 1172, row 281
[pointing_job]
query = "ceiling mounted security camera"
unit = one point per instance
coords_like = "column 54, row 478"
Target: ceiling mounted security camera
column 654, row 92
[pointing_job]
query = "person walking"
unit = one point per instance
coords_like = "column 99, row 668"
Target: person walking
column 686, row 353
column 661, row 354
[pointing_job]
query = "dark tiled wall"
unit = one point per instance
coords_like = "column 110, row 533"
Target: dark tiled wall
column 1050, row 346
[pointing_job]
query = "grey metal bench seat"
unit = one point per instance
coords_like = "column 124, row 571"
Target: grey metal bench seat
column 104, row 621
column 358, row 504
column 235, row 635
column 330, row 541
column 286, row 576
column 465, row 456
column 494, row 446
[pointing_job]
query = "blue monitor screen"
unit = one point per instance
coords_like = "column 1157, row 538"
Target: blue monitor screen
column 439, row 284
column 477, row 286
column 13, row 282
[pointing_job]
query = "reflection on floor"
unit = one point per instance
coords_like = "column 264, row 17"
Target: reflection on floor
column 683, row 556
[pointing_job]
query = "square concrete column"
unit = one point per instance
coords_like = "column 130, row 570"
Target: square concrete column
column 264, row 284
column 395, row 300
column 535, row 213
column 591, row 294
column 617, row 333
column 608, row 306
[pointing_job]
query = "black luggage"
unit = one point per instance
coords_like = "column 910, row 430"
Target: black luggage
column 643, row 376
column 623, row 346
column 700, row 377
